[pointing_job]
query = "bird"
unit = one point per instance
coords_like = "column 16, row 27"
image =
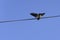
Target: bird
column 37, row 15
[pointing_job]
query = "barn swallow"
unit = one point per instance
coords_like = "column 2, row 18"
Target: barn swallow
column 37, row 16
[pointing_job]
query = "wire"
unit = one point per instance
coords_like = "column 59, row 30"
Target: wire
column 29, row 19
column 17, row 20
column 50, row 17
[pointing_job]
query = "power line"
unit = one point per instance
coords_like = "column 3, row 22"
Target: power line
column 29, row 19
column 50, row 17
column 17, row 20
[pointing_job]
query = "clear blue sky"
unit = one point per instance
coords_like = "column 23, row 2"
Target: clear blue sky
column 44, row 29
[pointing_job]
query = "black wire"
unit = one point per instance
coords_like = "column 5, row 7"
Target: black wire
column 29, row 19
column 17, row 20
column 50, row 17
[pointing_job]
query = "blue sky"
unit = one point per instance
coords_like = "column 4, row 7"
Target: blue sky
column 44, row 29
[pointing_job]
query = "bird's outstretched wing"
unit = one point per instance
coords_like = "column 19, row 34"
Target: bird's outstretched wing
column 34, row 14
column 41, row 14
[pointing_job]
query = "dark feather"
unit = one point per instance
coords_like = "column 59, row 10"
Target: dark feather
column 41, row 14
column 34, row 14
